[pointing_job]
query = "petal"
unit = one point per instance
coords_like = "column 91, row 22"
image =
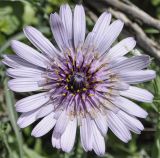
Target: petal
column 24, row 73
column 15, row 61
column 79, row 26
column 59, row 31
column 117, row 127
column 98, row 141
column 44, row 126
column 131, row 122
column 32, row 102
column 122, row 48
column 101, row 27
column 110, row 36
column 66, row 16
column 61, row 124
column 29, row 54
column 101, row 123
column 27, row 118
column 24, row 84
column 56, row 142
column 130, row 107
column 138, row 94
column 41, row 42
column 134, row 77
column 88, row 44
column 45, row 110
column 86, row 133
column 131, row 64
column 68, row 137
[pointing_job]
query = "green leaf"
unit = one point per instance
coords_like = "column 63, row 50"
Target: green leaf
column 13, row 117
column 29, row 11
column 155, row 2
column 8, row 24
column 151, row 31
column 31, row 153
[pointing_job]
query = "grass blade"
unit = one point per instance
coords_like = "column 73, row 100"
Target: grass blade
column 13, row 117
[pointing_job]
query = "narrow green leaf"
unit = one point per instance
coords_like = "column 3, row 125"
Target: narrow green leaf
column 13, row 117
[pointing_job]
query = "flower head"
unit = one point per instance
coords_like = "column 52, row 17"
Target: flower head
column 84, row 83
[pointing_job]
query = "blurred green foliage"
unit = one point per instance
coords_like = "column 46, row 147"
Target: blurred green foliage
column 14, row 143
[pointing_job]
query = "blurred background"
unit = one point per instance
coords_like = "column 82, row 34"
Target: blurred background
column 141, row 21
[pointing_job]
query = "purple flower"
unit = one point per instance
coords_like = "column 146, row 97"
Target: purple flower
column 84, row 83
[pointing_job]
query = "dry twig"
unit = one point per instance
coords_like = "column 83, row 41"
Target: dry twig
column 148, row 45
column 132, row 10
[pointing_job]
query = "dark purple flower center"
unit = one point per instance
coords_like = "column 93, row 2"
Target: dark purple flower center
column 77, row 82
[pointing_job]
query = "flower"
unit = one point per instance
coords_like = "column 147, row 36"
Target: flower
column 84, row 82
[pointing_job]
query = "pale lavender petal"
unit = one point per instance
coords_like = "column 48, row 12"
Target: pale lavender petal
column 89, row 43
column 41, row 42
column 101, row 27
column 110, row 36
column 61, row 124
column 79, row 26
column 59, row 31
column 25, row 72
column 134, row 77
column 118, row 127
column 131, row 64
column 86, row 133
column 56, row 142
column 45, row 110
column 101, row 122
column 122, row 48
column 66, row 16
column 32, row 102
column 44, row 126
column 27, row 118
column 130, row 107
column 131, row 122
column 24, row 84
column 98, row 140
column 138, row 94
column 15, row 61
column 68, row 137
column 29, row 54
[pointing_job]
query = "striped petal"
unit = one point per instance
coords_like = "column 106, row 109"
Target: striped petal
column 122, row 48
column 138, row 94
column 44, row 126
column 118, row 127
column 29, row 54
column 132, row 123
column 101, row 27
column 24, row 84
column 68, row 137
column 45, row 110
column 66, row 16
column 98, row 141
column 61, row 124
column 110, row 36
column 15, row 61
column 59, row 31
column 131, row 64
column 134, row 77
column 27, row 118
column 32, row 102
column 25, row 72
column 86, row 133
column 130, row 107
column 79, row 26
column 41, row 42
